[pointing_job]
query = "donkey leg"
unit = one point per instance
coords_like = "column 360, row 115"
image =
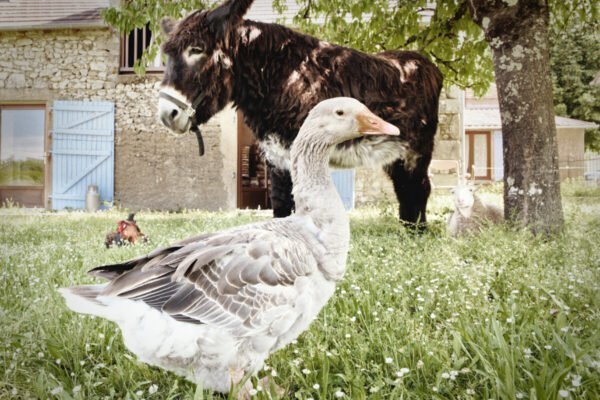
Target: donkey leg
column 412, row 189
column 282, row 200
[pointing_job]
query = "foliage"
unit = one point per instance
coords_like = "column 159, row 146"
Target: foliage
column 575, row 63
column 503, row 314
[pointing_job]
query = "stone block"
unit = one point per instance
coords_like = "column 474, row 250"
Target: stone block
column 16, row 81
column 446, row 150
column 23, row 42
column 97, row 66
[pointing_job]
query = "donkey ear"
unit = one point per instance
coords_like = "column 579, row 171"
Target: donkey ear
column 228, row 15
column 166, row 25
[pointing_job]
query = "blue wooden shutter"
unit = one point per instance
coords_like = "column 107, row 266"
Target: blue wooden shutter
column 82, row 151
column 344, row 183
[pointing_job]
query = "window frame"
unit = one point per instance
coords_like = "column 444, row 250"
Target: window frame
column 124, row 68
column 470, row 136
column 46, row 187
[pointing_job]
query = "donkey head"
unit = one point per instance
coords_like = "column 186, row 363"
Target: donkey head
column 198, row 79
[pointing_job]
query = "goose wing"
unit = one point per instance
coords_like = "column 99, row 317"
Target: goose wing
column 242, row 280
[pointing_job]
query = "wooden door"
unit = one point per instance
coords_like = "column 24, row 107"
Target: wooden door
column 82, row 151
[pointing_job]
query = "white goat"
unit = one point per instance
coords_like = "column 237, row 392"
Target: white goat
column 470, row 213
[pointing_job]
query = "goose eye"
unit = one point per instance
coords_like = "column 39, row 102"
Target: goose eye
column 195, row 51
column 339, row 112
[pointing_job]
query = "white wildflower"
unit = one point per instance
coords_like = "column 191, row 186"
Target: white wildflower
column 306, row 371
column 316, row 386
column 152, row 388
column 389, row 360
column 339, row 394
column 77, row 389
column 56, row 390
column 576, row 382
column 563, row 393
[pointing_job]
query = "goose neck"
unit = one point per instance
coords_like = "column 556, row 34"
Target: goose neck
column 316, row 197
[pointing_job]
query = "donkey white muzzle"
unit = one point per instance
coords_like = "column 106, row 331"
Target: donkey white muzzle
column 172, row 115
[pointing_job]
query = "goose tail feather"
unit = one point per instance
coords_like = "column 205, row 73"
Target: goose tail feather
column 84, row 299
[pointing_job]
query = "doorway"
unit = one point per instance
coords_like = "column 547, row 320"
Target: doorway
column 253, row 175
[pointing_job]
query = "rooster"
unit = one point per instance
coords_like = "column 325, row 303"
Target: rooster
column 127, row 232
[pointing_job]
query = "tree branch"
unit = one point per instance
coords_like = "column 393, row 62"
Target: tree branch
column 307, row 11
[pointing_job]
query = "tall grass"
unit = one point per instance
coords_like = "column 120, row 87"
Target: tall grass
column 498, row 315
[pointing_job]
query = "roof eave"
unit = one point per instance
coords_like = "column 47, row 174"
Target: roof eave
column 55, row 26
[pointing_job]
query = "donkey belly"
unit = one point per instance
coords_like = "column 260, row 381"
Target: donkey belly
column 367, row 151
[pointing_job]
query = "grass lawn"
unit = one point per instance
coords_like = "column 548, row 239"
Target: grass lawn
column 500, row 315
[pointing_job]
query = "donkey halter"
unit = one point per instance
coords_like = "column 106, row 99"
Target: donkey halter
column 191, row 113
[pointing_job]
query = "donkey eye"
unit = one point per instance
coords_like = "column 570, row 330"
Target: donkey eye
column 339, row 112
column 195, row 51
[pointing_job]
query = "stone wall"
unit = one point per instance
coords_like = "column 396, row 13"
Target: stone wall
column 153, row 168
column 373, row 185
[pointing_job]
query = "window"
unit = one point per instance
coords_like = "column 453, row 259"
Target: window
column 22, row 154
column 132, row 48
column 21, row 146
column 479, row 157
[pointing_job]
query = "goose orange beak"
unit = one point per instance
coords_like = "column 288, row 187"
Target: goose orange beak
column 371, row 124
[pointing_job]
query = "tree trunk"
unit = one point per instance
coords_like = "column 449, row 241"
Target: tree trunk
column 518, row 37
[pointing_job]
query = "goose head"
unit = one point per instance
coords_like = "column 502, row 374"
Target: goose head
column 339, row 119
